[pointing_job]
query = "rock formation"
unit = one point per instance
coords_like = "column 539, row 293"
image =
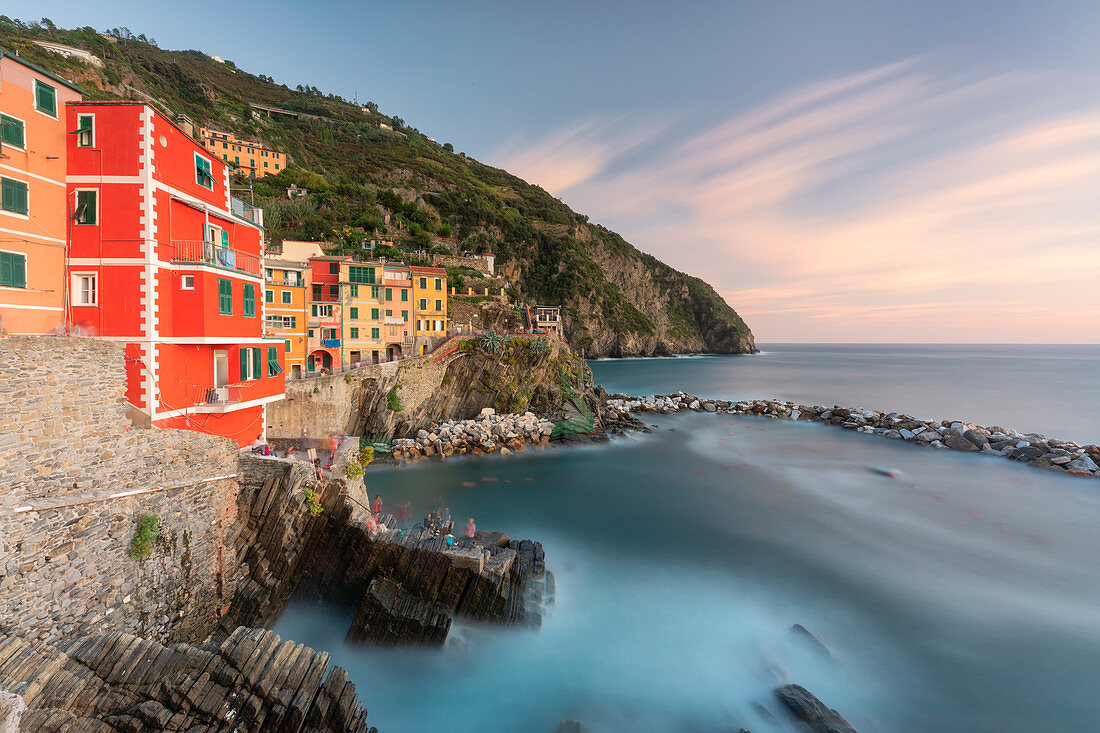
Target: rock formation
column 811, row 711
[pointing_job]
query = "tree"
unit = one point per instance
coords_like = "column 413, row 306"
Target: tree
column 448, row 147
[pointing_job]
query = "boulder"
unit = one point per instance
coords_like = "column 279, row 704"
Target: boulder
column 958, row 442
column 1084, row 463
column 811, row 711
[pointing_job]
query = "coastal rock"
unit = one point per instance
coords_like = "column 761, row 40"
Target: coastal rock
column 389, row 615
column 958, row 442
column 811, row 711
column 1084, row 463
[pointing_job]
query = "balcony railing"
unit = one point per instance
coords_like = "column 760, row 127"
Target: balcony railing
column 210, row 253
column 330, row 343
column 217, row 399
column 248, row 212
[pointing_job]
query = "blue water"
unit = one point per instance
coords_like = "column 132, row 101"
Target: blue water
column 960, row 596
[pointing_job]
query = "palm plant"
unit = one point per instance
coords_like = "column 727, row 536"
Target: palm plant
column 540, row 346
column 492, row 342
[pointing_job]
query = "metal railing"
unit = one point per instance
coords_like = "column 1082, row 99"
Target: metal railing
column 217, row 396
column 211, row 253
column 247, row 211
column 330, row 343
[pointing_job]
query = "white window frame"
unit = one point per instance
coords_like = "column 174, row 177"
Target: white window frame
column 24, row 122
column 77, row 289
column 10, row 177
column 438, row 304
column 77, row 198
column 214, row 181
column 286, row 297
column 184, row 280
column 78, row 118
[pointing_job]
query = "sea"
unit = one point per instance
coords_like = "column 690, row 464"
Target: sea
column 936, row 591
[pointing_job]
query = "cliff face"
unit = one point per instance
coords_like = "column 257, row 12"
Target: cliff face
column 398, row 398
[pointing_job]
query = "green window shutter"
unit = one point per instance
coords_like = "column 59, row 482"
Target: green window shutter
column 314, row 306
column 355, row 314
column 225, row 297
column 45, row 98
column 404, row 295
column 286, row 296
column 374, row 333
column 269, row 295
column 311, row 333
column 374, row 314
column 294, row 321
column 225, row 238
column 354, row 291
column 374, row 291
column 244, row 364
column 11, row 131
column 85, row 207
column 273, row 367
column 13, row 196
column 405, row 315
column 249, row 299
column 13, row 270
column 355, row 333
column 287, row 347
column 389, row 293
column 256, row 365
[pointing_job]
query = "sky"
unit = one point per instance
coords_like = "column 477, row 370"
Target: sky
column 839, row 171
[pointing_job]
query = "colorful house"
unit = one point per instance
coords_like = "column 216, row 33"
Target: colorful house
column 163, row 259
column 325, row 325
column 429, row 292
column 255, row 159
column 33, row 226
column 362, row 300
column 397, row 328
column 286, row 310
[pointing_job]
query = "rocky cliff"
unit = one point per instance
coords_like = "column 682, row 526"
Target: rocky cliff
column 397, row 399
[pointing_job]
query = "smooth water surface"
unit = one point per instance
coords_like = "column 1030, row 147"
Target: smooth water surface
column 961, row 595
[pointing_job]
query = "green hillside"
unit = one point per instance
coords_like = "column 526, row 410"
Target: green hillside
column 617, row 300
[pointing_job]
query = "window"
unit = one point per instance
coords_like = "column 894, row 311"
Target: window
column 389, row 293
column 86, row 206
column 353, row 291
column 249, row 300
column 13, row 196
column 276, row 166
column 389, row 312
column 84, row 289
column 286, row 296
column 45, row 98
column 225, row 146
column 361, row 274
column 13, row 270
column 287, row 350
column 374, row 333
column 424, row 283
column 317, row 291
column 354, row 314
column 265, row 164
column 439, row 305
column 273, row 367
column 250, row 363
column 439, row 283
column 269, row 295
column 355, row 333
column 322, row 311
column 423, row 304
column 203, row 177
column 236, row 160
column 374, row 291
column 187, row 282
column 404, row 295
column 12, row 132
column 269, row 273
column 404, row 315
column 85, row 131
column 334, row 268
column 225, row 296
column 374, row 314
column 311, row 333
column 334, row 291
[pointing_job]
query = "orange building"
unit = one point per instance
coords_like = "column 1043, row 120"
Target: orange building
column 256, row 159
column 33, row 222
column 429, row 286
column 285, row 308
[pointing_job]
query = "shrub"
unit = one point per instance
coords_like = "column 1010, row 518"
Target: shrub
column 392, row 401
column 366, row 455
column 313, row 502
column 352, row 470
column 144, row 537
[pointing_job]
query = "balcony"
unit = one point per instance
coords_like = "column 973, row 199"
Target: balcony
column 217, row 399
column 330, row 343
column 209, row 253
column 248, row 212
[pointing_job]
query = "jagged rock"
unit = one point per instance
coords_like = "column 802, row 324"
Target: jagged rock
column 811, row 711
column 390, row 615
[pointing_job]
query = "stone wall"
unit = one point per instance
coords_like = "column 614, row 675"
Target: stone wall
column 77, row 479
column 481, row 264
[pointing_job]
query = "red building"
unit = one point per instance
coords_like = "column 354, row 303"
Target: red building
column 161, row 257
column 323, row 339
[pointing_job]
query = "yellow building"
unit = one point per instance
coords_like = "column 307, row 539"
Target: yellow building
column 255, row 159
column 429, row 286
column 284, row 309
column 362, row 299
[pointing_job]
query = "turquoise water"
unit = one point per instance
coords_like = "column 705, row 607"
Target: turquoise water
column 959, row 596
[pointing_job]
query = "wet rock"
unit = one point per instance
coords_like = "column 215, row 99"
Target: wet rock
column 389, row 615
column 958, row 442
column 811, row 711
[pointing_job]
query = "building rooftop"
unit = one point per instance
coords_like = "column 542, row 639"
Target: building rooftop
column 285, row 264
column 40, row 70
column 428, row 270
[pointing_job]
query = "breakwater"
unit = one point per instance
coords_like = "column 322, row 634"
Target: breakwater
column 487, row 433
column 1035, row 449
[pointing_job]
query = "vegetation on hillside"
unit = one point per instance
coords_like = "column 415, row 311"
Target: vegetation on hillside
column 366, row 181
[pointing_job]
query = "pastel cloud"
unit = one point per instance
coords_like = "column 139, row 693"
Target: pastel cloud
column 895, row 204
